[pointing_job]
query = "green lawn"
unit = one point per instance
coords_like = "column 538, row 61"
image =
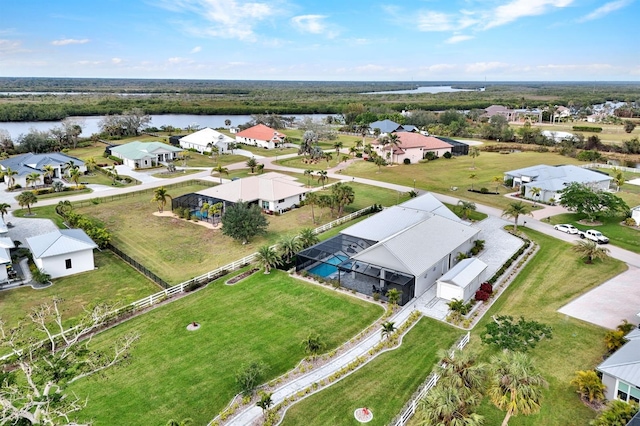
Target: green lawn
column 384, row 385
column 268, row 152
column 554, row 277
column 113, row 281
column 611, row 133
column 299, row 163
column 442, row 174
column 174, row 373
column 619, row 235
column 166, row 175
column 195, row 159
column 473, row 216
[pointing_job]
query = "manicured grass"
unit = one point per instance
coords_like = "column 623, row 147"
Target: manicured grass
column 178, row 173
column 198, row 160
column 95, row 151
column 113, row 281
column 384, row 385
column 320, row 165
column 611, row 133
column 174, row 373
column 619, row 235
column 62, row 194
column 474, row 216
column 553, row 278
column 268, row 152
column 442, row 174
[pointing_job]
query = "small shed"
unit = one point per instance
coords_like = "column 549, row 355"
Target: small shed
column 62, row 252
column 462, row 281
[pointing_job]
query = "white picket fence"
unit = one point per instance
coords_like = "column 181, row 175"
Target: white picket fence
column 610, row 166
column 432, row 380
column 203, row 279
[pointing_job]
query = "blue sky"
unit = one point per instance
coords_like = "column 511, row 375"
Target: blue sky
column 466, row 40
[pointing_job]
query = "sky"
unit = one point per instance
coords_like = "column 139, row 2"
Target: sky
column 349, row 40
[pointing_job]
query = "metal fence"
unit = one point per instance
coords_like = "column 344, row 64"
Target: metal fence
column 139, row 266
column 410, row 408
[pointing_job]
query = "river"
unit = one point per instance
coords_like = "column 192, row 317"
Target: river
column 91, row 124
column 424, row 89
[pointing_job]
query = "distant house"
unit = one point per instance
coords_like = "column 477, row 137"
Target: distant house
column 203, row 140
column 513, row 115
column 385, row 126
column 25, row 164
column 412, row 146
column 261, row 136
column 273, row 192
column 62, row 252
column 621, row 371
column 142, row 155
column 6, row 244
column 553, row 179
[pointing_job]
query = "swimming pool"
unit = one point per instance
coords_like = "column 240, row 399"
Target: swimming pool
column 328, row 268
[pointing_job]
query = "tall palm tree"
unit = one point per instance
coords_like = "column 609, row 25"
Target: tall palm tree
column 353, row 151
column 307, row 237
column 337, row 145
column 462, row 370
column 220, row 170
column 387, row 329
column 446, row 406
column 10, row 174
column 48, row 171
column 214, row 211
column 27, row 199
column 474, row 152
column 4, row 209
column 267, row 258
column 288, row 247
column 535, row 191
column 33, row 178
column 160, row 196
column 465, row 208
column 590, row 250
column 322, row 176
column 74, row 176
column 515, row 210
column 394, row 142
column 308, row 174
column 516, row 386
column 343, row 195
column 312, row 199
column 70, row 165
column 498, row 180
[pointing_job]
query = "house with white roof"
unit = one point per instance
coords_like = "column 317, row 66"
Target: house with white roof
column 261, row 136
column 553, row 179
column 273, row 192
column 205, row 139
column 621, row 371
column 25, row 164
column 62, row 252
column 462, row 281
column 407, row 247
column 143, row 155
column 6, row 244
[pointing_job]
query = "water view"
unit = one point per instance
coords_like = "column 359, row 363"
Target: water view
column 424, row 89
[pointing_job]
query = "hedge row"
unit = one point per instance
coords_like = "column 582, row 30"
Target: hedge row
column 587, row 129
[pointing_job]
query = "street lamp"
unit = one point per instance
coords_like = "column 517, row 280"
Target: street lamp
column 414, row 185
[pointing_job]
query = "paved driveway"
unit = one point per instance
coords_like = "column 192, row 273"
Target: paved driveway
column 611, row 302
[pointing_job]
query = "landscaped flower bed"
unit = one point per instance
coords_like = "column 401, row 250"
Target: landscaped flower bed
column 242, row 276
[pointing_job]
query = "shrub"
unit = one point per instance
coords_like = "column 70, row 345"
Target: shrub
column 447, row 155
column 359, row 155
column 587, row 129
column 482, row 295
column 40, row 276
column 376, row 296
column 486, row 287
column 589, row 156
column 630, row 222
column 484, row 190
column 430, row 155
column 589, row 385
column 406, row 161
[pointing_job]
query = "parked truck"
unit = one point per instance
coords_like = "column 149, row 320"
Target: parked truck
column 593, row 235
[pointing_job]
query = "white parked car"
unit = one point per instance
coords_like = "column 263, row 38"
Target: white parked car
column 565, row 227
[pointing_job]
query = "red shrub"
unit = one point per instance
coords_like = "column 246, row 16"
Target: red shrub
column 482, row 295
column 486, row 287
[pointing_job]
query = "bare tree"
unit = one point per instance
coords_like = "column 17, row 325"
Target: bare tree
column 35, row 374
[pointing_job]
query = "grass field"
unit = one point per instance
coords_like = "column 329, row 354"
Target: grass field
column 554, row 277
column 611, row 133
column 442, row 174
column 383, row 385
column 113, row 281
column 621, row 236
column 177, row 374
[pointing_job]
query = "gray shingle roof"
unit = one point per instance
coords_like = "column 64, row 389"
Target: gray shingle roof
column 60, row 242
column 624, row 364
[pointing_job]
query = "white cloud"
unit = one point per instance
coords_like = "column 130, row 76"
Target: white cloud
column 458, row 39
column 310, row 23
column 225, row 18
column 116, row 61
column 517, row 9
column 196, row 49
column 481, row 67
column 67, row 41
column 9, row 46
column 605, row 10
column 435, row 21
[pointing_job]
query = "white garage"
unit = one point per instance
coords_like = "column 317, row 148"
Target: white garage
column 462, row 281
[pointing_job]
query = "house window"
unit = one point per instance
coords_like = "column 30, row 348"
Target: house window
column 281, row 201
column 265, row 205
column 67, row 263
column 628, row 393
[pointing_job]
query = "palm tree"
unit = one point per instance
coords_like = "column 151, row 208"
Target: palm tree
column 614, row 339
column 63, row 208
column 220, row 170
column 214, row 211
column 215, row 151
column 328, row 157
column 252, row 164
column 114, row 173
column 313, row 344
column 160, row 196
column 337, row 145
column 48, row 171
column 27, row 199
column 590, row 250
column 353, row 151
column 535, row 191
column 589, row 385
column 308, row 174
column 618, row 178
column 91, row 164
column 10, row 175
column 288, row 247
column 33, row 178
column 498, row 180
column 516, row 386
column 446, row 406
column 368, row 149
column 75, row 175
column 265, row 402
column 70, row 165
column 307, row 237
column 267, row 258
column 393, row 140
column 465, row 208
column 260, row 168
column 343, row 195
column 312, row 199
column 322, row 176
column 231, row 146
column 473, row 177
column 474, row 152
column 515, row 210
column 379, row 161
column 462, row 370
column 4, row 209
column 183, row 422
column 393, row 296
column 387, row 329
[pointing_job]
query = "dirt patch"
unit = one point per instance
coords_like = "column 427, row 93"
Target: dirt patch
column 589, row 223
column 175, row 219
